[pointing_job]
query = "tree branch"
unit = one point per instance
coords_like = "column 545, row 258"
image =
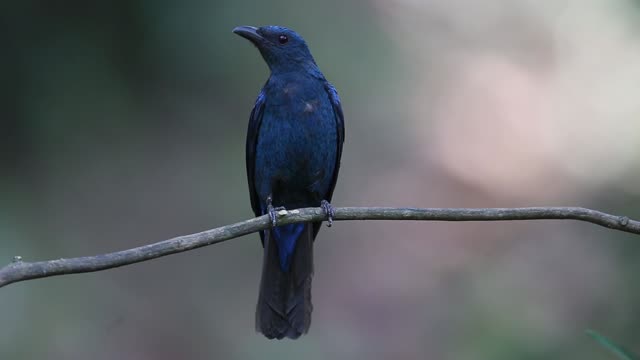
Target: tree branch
column 19, row 270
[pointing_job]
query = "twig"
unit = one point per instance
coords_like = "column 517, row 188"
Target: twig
column 20, row 270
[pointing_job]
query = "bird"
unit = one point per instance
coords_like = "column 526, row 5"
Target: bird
column 293, row 151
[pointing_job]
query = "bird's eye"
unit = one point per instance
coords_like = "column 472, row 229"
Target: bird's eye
column 282, row 39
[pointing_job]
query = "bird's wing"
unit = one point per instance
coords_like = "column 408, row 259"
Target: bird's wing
column 252, row 140
column 339, row 118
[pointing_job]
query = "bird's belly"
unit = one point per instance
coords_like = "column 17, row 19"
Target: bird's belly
column 295, row 158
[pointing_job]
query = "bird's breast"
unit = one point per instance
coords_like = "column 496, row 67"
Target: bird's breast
column 297, row 97
column 297, row 141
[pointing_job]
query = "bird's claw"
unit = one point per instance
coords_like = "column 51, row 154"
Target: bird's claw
column 329, row 211
column 273, row 211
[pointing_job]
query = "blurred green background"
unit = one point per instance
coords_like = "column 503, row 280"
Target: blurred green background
column 123, row 123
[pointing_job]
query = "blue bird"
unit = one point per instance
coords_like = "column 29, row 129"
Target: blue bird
column 294, row 145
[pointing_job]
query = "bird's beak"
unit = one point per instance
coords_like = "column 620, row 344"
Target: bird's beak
column 250, row 33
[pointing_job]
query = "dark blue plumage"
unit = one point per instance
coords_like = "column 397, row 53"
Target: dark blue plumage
column 294, row 145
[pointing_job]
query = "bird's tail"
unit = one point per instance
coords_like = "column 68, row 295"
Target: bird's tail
column 284, row 304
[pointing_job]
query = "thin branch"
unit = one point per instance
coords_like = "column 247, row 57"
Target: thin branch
column 20, row 270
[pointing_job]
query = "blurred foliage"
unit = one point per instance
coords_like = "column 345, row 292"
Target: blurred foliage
column 618, row 350
column 123, row 123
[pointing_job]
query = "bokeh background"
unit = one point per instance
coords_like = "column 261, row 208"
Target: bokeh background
column 123, row 123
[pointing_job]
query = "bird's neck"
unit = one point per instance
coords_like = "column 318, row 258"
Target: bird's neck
column 302, row 67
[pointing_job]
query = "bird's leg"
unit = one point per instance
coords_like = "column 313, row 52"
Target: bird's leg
column 329, row 210
column 272, row 210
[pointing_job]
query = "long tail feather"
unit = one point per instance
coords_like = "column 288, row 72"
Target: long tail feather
column 284, row 303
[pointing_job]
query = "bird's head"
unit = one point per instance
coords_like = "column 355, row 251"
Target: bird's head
column 282, row 49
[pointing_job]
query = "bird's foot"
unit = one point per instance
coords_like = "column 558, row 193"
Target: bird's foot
column 329, row 211
column 273, row 211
